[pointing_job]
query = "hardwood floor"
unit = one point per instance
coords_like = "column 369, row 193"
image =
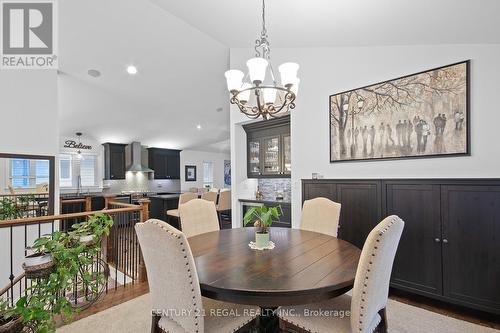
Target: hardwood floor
column 450, row 310
column 114, row 297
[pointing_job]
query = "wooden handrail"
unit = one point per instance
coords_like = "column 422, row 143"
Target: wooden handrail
column 23, row 194
column 72, row 201
column 33, row 220
column 16, row 280
column 120, row 204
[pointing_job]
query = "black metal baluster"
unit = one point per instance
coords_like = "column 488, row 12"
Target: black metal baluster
column 11, row 277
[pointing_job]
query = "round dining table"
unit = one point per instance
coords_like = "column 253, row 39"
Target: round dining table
column 304, row 267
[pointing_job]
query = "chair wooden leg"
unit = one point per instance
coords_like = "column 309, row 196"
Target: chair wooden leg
column 154, row 324
column 219, row 215
column 382, row 327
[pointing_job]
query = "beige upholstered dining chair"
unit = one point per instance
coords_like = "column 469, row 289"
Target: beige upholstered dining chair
column 198, row 216
column 177, row 303
column 369, row 295
column 210, row 196
column 42, row 188
column 11, row 190
column 183, row 198
column 224, row 204
column 321, row 215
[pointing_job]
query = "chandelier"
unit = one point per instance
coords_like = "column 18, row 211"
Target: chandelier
column 252, row 93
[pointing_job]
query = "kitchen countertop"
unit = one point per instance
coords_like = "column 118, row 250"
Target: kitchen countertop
column 165, row 196
column 266, row 200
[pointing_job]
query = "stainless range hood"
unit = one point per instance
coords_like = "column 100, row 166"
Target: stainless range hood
column 136, row 153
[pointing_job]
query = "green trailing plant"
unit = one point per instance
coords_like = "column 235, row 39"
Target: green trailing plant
column 47, row 296
column 9, row 318
column 12, row 208
column 262, row 217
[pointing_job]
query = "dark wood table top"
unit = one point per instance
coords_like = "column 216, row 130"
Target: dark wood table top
column 304, row 267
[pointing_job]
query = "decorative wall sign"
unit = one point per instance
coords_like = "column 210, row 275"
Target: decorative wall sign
column 419, row 115
column 190, row 173
column 227, row 173
column 75, row 145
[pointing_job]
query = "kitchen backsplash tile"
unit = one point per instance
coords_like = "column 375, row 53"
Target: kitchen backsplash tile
column 269, row 187
column 140, row 182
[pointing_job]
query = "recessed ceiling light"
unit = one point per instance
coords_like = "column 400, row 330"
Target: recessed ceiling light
column 94, row 73
column 198, row 126
column 132, row 70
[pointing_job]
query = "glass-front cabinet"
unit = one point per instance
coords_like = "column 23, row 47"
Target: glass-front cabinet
column 287, row 154
column 272, row 155
column 268, row 148
column 254, row 158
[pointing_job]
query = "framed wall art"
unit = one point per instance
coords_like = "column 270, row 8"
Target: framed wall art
column 190, row 173
column 420, row 115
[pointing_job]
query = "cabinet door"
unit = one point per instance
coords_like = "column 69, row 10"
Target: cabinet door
column 417, row 265
column 361, row 210
column 253, row 156
column 471, row 245
column 160, row 165
column 286, row 167
column 173, row 166
column 271, row 155
column 117, row 162
column 317, row 189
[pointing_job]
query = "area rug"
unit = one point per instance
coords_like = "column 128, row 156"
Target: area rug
column 134, row 317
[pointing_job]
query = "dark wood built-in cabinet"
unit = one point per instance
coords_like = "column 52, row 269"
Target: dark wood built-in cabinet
column 269, row 148
column 450, row 247
column 166, row 163
column 114, row 161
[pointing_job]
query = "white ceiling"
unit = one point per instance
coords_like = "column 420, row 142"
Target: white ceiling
column 180, row 82
column 181, row 49
column 318, row 23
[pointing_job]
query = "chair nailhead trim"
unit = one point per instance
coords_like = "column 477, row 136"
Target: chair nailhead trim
column 368, row 270
column 169, row 232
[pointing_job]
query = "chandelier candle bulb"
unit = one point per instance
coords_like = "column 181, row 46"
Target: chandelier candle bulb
column 234, row 79
column 245, row 94
column 288, row 72
column 295, row 87
column 270, row 96
column 257, row 69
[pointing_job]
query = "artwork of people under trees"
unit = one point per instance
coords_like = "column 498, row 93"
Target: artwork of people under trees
column 419, row 115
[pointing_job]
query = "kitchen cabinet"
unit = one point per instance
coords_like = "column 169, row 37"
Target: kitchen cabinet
column 269, row 148
column 166, row 163
column 450, row 246
column 114, row 161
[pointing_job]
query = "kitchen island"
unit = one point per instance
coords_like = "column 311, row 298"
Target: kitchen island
column 160, row 204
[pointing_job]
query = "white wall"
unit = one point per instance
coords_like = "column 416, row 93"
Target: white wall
column 28, row 112
column 28, row 125
column 193, row 157
column 326, row 71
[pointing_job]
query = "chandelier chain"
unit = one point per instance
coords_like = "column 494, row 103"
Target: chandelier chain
column 263, row 41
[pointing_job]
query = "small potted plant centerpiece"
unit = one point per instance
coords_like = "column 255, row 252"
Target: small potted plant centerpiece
column 10, row 321
column 262, row 217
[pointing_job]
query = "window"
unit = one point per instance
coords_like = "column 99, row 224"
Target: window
column 88, row 171
column 208, row 174
column 74, row 172
column 28, row 173
column 20, row 172
column 65, row 178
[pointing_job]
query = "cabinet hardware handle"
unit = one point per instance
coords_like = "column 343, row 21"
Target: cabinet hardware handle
column 437, row 240
column 445, row 240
